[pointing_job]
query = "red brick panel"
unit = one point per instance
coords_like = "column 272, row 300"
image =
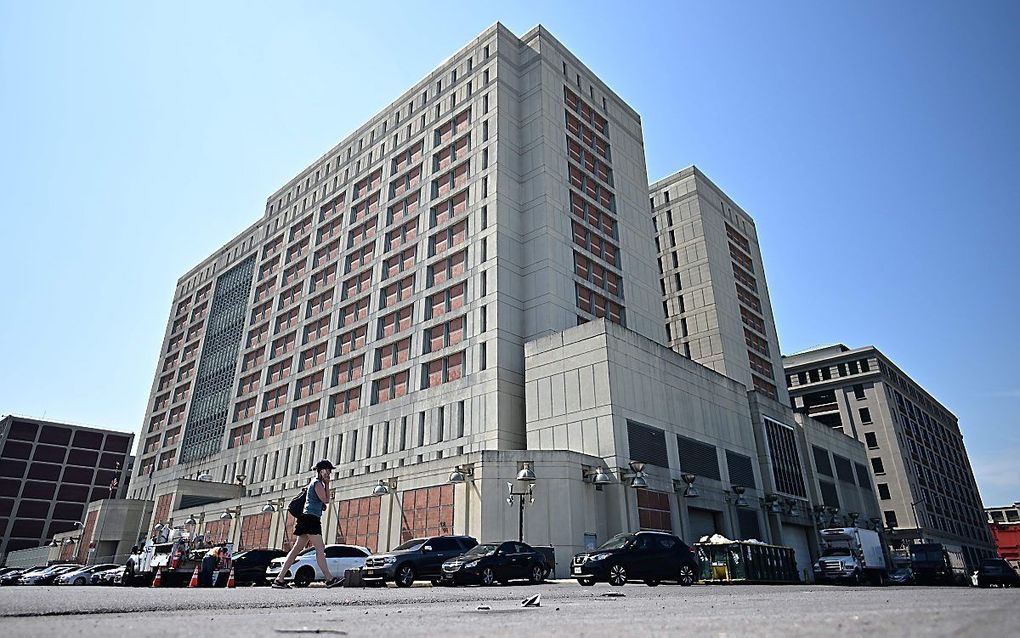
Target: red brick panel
column 654, row 511
column 86, row 535
column 217, row 532
column 358, row 522
column 426, row 511
column 255, row 531
column 288, row 532
column 162, row 514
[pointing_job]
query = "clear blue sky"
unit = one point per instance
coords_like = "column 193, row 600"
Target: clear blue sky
column 877, row 146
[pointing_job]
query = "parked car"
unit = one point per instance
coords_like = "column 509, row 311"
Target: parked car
column 48, row 575
column 107, row 577
column 12, row 577
column 489, row 563
column 901, row 576
column 419, row 558
column 305, row 569
column 82, row 576
column 996, row 571
column 250, row 566
column 652, row 557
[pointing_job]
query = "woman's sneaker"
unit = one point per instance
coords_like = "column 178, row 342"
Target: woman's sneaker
column 280, row 585
column 334, row 582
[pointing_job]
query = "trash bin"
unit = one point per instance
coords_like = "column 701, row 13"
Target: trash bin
column 744, row 562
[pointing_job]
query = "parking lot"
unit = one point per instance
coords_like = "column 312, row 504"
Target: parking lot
column 710, row 610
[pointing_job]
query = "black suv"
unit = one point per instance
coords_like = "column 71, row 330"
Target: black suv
column 417, row 558
column 649, row 556
column 996, row 571
column 250, row 565
column 489, row 563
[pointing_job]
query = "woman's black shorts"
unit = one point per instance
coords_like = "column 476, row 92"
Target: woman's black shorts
column 308, row 524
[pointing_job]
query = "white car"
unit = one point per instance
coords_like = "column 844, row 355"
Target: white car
column 81, row 576
column 305, row 569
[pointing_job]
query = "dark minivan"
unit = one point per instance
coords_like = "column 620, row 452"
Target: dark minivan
column 418, row 558
column 652, row 557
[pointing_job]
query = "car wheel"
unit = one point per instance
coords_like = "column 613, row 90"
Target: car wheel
column 304, row 577
column 617, row 575
column 651, row 582
column 686, row 577
column 488, row 577
column 537, row 574
column 585, row 582
column 436, row 582
column 405, row 575
column 79, row 581
column 855, row 579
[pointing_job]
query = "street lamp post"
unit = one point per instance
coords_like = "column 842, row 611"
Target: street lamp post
column 526, row 476
column 384, row 488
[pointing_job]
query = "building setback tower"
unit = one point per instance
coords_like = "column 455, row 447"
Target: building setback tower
column 714, row 294
column 922, row 473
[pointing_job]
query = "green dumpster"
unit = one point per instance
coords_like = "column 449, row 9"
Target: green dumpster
column 743, row 562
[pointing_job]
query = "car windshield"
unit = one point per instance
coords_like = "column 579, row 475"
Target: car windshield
column 482, row 550
column 617, row 541
column 411, row 544
column 837, row 551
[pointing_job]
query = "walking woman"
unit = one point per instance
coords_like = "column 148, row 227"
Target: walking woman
column 309, row 527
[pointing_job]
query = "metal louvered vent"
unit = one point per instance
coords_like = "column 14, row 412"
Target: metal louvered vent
column 862, row 476
column 698, row 458
column 647, row 444
column 741, row 470
column 829, row 495
column 207, row 416
column 844, row 470
column 785, row 458
column 822, row 460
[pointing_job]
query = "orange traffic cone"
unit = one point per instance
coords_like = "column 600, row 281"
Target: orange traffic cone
column 230, row 580
column 158, row 580
column 194, row 578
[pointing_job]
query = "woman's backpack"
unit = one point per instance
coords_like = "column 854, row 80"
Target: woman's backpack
column 297, row 506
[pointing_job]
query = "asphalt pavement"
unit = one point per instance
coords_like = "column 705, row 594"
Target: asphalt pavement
column 566, row 609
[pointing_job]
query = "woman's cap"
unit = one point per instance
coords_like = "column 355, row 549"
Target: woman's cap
column 324, row 465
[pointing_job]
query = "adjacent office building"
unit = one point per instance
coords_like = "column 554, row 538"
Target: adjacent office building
column 712, row 281
column 916, row 452
column 410, row 306
column 49, row 472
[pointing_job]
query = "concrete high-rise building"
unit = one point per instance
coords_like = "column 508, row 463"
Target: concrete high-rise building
column 386, row 294
column 435, row 305
column 49, row 472
column 925, row 483
column 712, row 282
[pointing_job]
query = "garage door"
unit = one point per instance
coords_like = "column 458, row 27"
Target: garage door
column 796, row 536
column 702, row 524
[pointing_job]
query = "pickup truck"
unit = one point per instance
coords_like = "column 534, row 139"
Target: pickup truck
column 177, row 559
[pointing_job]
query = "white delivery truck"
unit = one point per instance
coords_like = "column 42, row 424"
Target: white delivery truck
column 851, row 555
